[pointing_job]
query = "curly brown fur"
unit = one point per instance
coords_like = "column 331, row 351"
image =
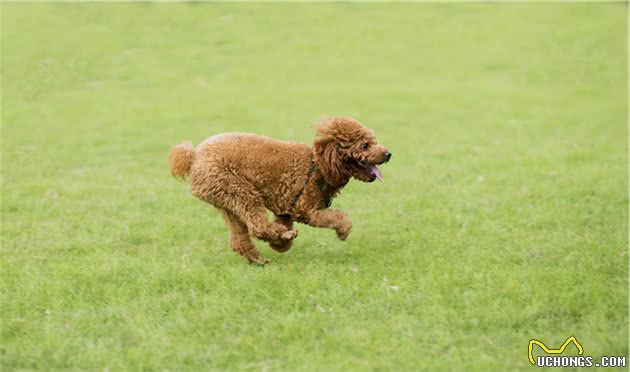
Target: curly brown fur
column 244, row 175
column 180, row 159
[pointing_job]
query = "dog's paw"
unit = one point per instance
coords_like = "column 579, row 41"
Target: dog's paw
column 343, row 235
column 344, row 230
column 259, row 261
column 281, row 246
column 289, row 235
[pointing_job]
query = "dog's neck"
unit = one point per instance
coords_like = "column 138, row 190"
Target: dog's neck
column 315, row 178
column 328, row 192
column 330, row 167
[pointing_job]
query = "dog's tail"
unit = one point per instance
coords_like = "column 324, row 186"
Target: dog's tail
column 180, row 159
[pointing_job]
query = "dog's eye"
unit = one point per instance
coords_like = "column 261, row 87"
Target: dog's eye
column 365, row 146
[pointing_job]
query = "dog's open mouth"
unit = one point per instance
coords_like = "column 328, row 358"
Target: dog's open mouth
column 375, row 172
column 370, row 170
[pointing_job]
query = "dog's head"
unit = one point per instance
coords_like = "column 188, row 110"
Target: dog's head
column 344, row 148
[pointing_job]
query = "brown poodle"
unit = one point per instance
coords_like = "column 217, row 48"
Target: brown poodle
column 244, row 175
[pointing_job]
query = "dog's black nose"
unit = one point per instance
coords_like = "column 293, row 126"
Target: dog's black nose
column 388, row 155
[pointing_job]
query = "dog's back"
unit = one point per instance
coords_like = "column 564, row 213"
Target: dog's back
column 258, row 159
column 227, row 162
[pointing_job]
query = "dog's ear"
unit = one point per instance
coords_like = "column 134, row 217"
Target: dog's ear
column 327, row 155
column 325, row 133
column 333, row 127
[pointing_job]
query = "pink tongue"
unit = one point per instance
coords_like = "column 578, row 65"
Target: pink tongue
column 376, row 172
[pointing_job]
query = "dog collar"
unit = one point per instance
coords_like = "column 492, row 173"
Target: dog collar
column 324, row 188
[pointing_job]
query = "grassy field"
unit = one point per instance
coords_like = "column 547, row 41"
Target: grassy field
column 503, row 214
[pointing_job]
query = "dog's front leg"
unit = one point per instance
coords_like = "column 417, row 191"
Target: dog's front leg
column 283, row 245
column 332, row 219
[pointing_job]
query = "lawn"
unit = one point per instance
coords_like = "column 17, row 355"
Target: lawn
column 503, row 215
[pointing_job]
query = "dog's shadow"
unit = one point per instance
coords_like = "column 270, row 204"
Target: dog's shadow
column 331, row 251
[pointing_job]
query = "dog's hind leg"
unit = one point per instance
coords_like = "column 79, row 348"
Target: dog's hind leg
column 239, row 239
column 275, row 233
column 245, row 202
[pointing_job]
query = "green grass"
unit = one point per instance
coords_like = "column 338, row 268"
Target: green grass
column 503, row 214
